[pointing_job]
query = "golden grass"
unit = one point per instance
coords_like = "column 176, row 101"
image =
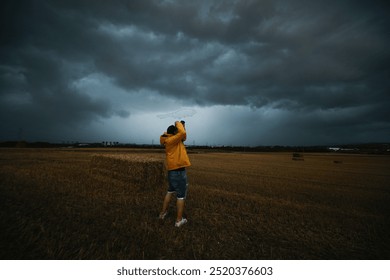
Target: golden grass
column 85, row 204
column 138, row 170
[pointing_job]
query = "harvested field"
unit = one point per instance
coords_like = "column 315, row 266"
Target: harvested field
column 102, row 204
column 140, row 171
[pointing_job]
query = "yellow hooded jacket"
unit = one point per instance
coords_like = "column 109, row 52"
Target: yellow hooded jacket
column 176, row 154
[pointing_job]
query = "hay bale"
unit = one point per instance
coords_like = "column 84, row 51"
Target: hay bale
column 297, row 156
column 137, row 170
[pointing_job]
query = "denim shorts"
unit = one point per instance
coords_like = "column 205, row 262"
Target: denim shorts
column 178, row 183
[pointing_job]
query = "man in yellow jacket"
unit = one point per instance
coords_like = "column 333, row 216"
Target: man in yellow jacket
column 176, row 160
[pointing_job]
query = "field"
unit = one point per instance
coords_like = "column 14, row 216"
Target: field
column 55, row 205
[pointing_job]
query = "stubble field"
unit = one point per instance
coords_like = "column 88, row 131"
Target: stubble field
column 240, row 206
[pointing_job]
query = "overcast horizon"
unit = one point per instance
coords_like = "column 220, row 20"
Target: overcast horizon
column 240, row 73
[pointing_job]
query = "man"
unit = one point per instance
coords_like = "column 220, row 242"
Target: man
column 176, row 161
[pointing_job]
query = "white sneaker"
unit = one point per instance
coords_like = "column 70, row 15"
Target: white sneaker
column 180, row 223
column 162, row 215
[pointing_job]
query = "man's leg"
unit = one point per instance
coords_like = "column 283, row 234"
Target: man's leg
column 181, row 196
column 180, row 209
column 167, row 200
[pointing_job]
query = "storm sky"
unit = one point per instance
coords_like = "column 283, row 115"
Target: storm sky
column 267, row 72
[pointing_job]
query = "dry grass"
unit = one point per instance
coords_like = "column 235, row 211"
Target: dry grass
column 140, row 171
column 99, row 204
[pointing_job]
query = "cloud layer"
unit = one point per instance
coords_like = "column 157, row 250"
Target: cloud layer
column 311, row 71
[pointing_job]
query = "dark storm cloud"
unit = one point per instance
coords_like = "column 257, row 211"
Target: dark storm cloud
column 323, row 62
